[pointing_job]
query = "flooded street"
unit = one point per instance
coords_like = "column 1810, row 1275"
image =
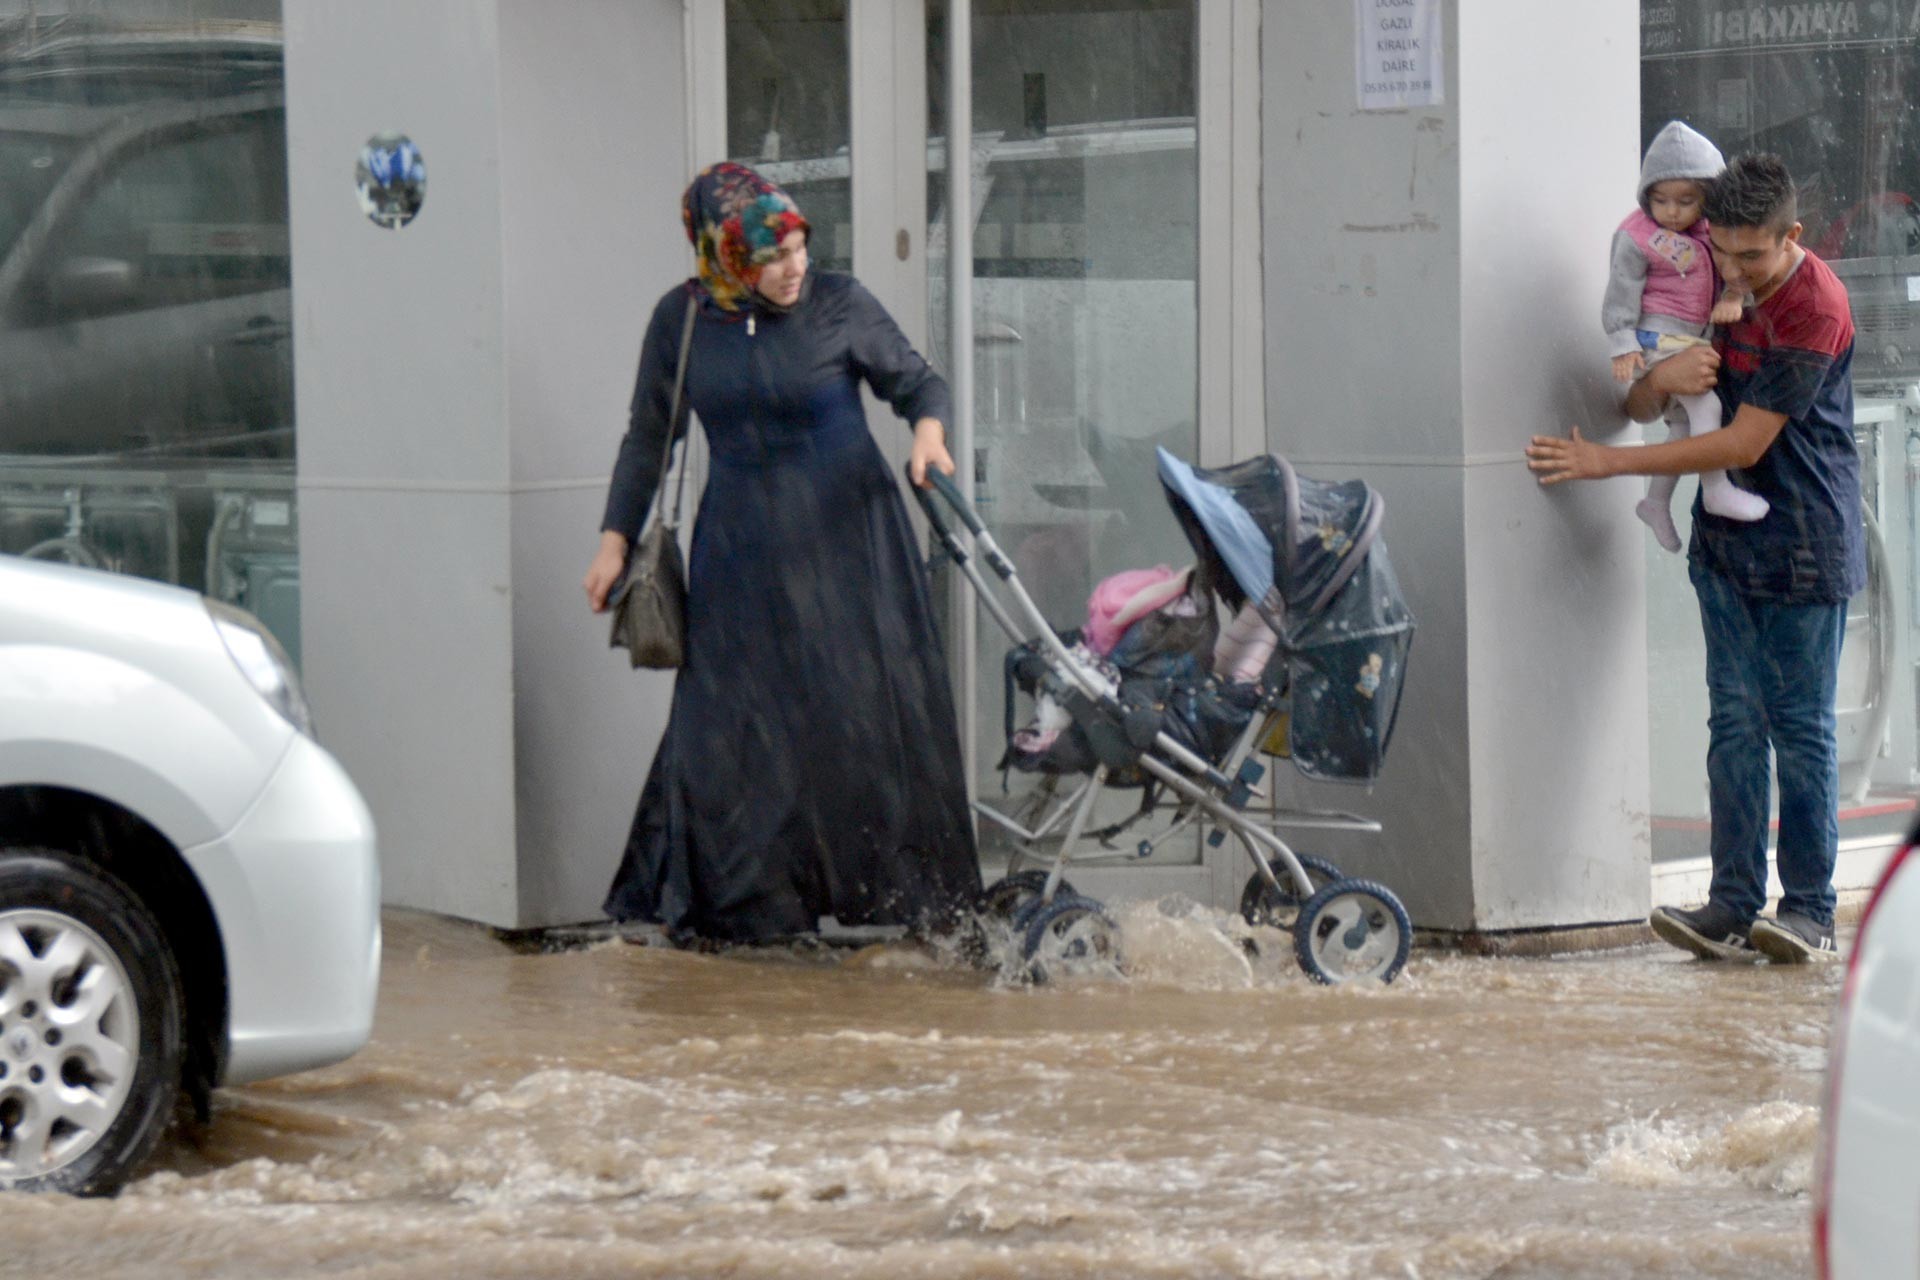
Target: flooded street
column 634, row 1111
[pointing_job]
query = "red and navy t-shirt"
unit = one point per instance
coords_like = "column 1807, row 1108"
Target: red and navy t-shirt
column 1793, row 354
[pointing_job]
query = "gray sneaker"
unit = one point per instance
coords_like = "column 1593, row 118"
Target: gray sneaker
column 1712, row 932
column 1793, row 939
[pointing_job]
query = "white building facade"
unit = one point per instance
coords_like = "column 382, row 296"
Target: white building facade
column 1218, row 226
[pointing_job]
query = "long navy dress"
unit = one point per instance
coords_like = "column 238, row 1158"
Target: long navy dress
column 811, row 763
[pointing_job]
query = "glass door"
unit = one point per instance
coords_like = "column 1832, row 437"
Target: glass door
column 825, row 97
column 788, row 110
column 1085, row 231
column 1087, row 156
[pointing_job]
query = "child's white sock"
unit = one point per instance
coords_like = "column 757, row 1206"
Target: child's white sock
column 1723, row 498
column 1718, row 494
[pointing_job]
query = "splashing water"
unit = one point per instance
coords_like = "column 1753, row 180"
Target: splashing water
column 886, row 1112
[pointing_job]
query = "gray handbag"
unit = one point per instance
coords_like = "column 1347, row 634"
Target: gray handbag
column 650, row 606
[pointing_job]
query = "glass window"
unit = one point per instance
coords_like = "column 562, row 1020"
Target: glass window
column 1830, row 89
column 1085, row 307
column 194, row 217
column 145, row 305
column 30, row 164
column 788, row 104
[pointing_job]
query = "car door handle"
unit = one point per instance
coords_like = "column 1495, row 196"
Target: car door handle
column 261, row 331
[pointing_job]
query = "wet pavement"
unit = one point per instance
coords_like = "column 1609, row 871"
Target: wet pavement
column 635, row 1111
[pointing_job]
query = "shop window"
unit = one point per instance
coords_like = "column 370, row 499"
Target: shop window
column 1830, row 88
column 146, row 352
column 1085, row 301
column 788, row 111
column 185, row 219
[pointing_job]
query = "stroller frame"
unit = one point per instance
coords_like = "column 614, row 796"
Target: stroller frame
column 1220, row 794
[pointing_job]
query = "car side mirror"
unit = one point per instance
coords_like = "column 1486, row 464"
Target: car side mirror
column 91, row 286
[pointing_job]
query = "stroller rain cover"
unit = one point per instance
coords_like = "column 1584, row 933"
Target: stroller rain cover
column 1308, row 555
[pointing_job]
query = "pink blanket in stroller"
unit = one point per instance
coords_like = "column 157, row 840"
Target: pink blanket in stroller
column 1124, row 598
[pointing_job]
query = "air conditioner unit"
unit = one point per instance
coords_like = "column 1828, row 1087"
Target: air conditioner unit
column 103, row 522
column 253, row 552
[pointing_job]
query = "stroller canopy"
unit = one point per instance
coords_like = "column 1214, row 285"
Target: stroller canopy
column 1308, row 555
column 1287, row 543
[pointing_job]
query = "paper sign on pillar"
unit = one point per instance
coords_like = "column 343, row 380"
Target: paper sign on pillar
column 1397, row 53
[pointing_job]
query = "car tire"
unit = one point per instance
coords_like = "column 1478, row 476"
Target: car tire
column 91, row 1014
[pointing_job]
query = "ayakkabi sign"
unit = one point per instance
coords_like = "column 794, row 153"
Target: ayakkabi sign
column 1672, row 28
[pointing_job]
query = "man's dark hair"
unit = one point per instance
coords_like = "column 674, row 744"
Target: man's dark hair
column 1753, row 191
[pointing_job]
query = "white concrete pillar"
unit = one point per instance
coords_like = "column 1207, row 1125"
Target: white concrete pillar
column 1433, row 282
column 461, row 388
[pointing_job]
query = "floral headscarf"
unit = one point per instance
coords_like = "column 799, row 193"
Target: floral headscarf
column 736, row 220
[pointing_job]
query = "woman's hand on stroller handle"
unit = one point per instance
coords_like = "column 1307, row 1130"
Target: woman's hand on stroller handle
column 929, row 455
column 942, row 484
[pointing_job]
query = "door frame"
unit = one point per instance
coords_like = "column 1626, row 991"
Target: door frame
column 888, row 161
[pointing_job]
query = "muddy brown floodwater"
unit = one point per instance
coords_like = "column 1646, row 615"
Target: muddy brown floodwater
column 633, row 1111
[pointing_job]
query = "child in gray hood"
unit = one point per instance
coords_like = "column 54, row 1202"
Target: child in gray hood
column 1660, row 299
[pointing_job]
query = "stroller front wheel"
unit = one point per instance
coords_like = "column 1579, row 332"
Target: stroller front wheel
column 1261, row 904
column 1352, row 929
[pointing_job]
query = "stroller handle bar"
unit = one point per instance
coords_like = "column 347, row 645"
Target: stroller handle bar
column 939, row 482
column 1085, row 677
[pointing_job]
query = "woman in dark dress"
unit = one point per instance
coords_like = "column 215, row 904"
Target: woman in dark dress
column 811, row 763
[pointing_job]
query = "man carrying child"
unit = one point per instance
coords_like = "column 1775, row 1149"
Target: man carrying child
column 1772, row 591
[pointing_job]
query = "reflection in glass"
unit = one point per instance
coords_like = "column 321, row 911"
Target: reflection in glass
column 1834, row 99
column 1085, row 188
column 390, row 178
column 788, row 104
column 146, row 360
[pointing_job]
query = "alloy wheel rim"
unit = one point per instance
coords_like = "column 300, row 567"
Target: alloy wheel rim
column 69, row 1041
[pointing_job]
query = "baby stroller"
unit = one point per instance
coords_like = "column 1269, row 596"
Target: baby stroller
column 1309, row 667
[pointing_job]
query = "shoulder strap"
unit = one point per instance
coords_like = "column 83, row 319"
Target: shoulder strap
column 673, row 415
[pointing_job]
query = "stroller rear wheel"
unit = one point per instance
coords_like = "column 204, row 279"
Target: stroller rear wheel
column 1070, row 937
column 995, row 926
column 1261, row 904
column 1352, row 929
column 1005, row 897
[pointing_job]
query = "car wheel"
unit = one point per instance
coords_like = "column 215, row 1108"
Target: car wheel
column 90, row 1026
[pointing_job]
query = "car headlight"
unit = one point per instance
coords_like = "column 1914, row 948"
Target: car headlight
column 263, row 662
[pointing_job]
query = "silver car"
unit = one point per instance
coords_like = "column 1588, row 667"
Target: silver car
column 189, row 892
column 1867, row 1184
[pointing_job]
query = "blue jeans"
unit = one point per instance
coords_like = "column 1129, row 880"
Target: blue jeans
column 1771, row 676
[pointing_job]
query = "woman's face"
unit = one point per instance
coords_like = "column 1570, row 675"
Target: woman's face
column 780, row 279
